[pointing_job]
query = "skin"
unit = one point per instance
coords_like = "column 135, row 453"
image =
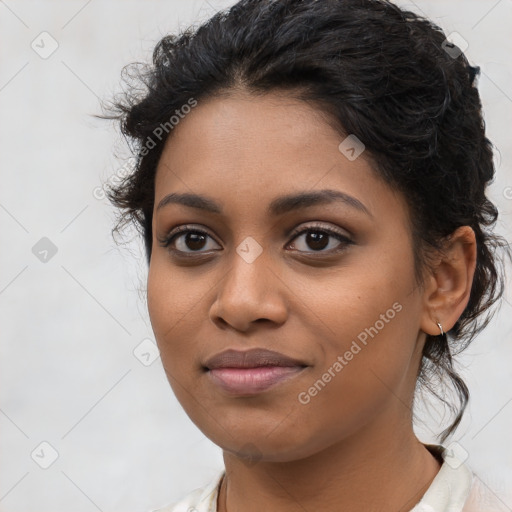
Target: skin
column 243, row 151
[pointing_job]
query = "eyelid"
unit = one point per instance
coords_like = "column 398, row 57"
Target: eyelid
column 320, row 227
column 184, row 228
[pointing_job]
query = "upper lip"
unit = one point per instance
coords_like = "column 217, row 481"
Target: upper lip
column 252, row 358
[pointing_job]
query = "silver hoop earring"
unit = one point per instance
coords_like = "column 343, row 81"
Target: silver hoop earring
column 440, row 328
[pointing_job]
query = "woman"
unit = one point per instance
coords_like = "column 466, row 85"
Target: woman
column 310, row 184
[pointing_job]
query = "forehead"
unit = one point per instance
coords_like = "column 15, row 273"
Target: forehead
column 246, row 150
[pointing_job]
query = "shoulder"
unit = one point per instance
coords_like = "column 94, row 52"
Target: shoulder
column 456, row 488
column 483, row 499
column 202, row 499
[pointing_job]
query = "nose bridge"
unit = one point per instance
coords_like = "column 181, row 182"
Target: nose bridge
column 250, row 290
column 248, row 271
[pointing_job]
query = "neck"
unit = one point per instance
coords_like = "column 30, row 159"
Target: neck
column 363, row 472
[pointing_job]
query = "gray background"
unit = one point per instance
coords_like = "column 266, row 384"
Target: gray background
column 70, row 325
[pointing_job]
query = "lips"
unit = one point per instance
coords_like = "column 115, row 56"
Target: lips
column 252, row 371
column 253, row 358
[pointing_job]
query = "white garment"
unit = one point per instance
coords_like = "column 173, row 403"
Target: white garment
column 454, row 489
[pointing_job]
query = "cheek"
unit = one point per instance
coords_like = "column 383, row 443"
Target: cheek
column 175, row 301
column 176, row 307
column 362, row 374
column 367, row 299
column 367, row 318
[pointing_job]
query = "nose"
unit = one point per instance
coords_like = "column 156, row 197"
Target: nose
column 249, row 293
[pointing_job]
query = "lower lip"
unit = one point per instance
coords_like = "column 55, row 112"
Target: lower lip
column 252, row 380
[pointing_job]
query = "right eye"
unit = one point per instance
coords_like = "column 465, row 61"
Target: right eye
column 183, row 238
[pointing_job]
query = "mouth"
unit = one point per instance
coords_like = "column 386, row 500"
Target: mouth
column 250, row 381
column 251, row 372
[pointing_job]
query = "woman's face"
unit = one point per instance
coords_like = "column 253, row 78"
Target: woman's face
column 347, row 309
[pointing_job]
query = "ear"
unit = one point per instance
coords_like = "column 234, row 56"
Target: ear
column 448, row 287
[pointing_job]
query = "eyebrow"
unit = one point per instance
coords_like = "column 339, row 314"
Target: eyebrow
column 278, row 206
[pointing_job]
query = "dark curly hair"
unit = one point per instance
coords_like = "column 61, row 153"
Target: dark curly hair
column 381, row 73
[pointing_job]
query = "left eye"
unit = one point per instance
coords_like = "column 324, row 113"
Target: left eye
column 317, row 239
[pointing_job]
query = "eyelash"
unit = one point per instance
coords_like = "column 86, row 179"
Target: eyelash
column 345, row 241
